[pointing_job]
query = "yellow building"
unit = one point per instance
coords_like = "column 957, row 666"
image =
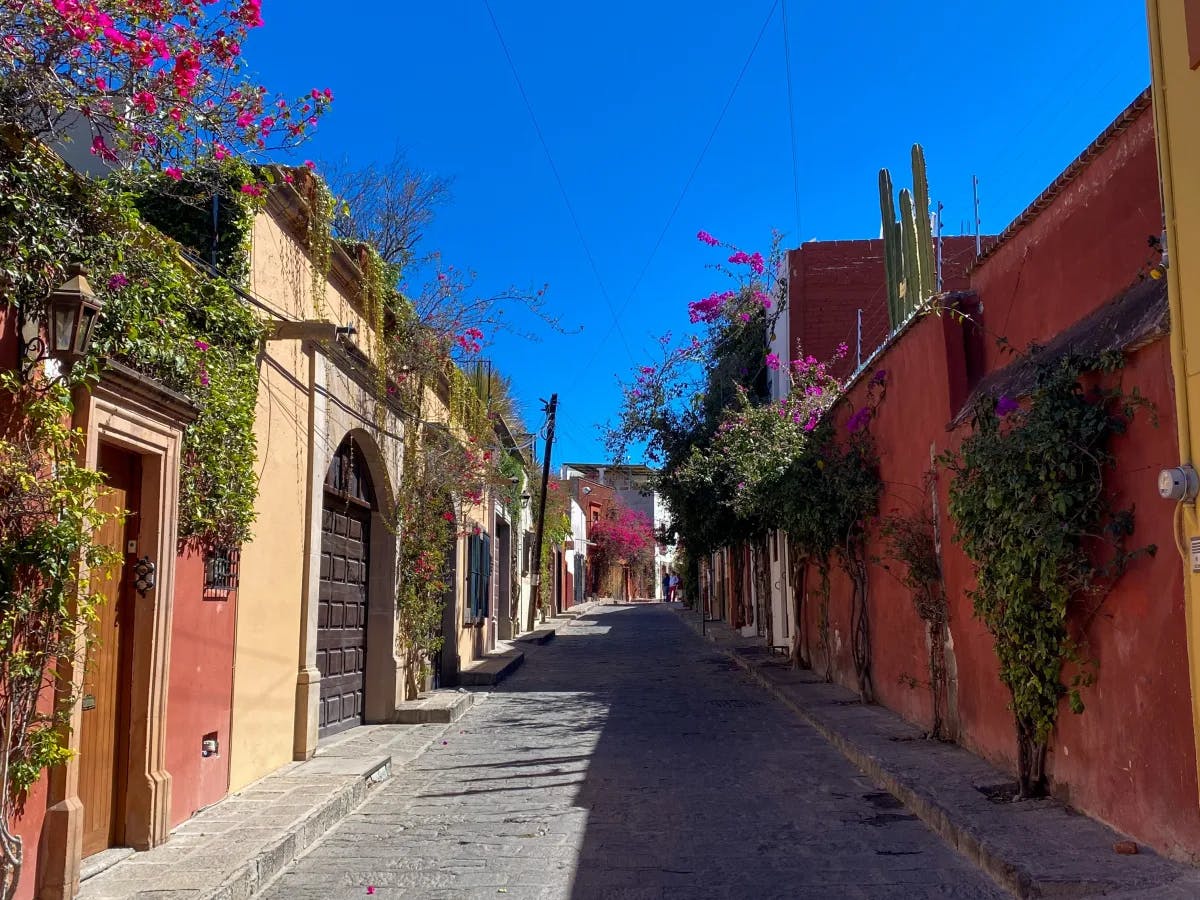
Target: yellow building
column 317, row 628
column 1175, row 63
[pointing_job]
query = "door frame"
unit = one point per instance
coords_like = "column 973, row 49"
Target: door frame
column 134, row 413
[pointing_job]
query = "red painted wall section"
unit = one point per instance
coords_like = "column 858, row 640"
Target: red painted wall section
column 1129, row 759
column 200, row 690
column 829, row 281
column 1085, row 247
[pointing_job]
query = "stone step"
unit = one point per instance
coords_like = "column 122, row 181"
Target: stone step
column 492, row 669
column 541, row 636
column 232, row 849
column 434, row 707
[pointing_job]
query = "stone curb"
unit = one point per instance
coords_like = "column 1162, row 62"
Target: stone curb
column 491, row 670
column 998, row 861
column 256, row 873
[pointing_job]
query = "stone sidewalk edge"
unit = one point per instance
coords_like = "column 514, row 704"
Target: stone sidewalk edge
column 1006, row 871
column 253, row 876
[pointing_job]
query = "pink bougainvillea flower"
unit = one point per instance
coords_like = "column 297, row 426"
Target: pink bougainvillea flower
column 201, row 345
column 101, row 149
column 755, row 261
column 441, row 276
column 745, row 317
column 117, row 281
column 204, row 378
column 174, row 173
column 309, row 164
column 448, row 516
column 254, row 190
column 705, row 238
column 772, row 361
column 220, row 152
column 740, row 258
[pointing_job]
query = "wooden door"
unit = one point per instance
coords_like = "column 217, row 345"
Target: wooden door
column 343, row 599
column 104, row 731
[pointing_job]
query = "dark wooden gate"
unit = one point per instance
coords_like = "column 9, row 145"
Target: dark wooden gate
column 344, row 597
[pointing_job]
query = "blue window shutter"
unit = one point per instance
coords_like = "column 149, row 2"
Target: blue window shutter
column 485, row 569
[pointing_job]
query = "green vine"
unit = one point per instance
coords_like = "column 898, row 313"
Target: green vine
column 1031, row 510
column 911, row 546
column 183, row 210
column 319, row 236
column 50, row 514
column 161, row 317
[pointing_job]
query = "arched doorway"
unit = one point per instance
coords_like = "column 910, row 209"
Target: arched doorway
column 344, row 600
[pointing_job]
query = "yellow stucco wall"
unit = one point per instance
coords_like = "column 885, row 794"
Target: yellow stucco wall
column 1177, row 119
column 268, row 648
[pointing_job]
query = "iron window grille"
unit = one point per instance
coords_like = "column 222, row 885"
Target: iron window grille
column 221, row 566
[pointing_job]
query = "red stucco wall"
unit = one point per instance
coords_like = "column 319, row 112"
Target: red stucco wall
column 1129, row 759
column 200, row 690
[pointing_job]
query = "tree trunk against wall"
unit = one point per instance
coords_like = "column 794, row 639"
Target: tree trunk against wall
column 801, row 657
column 854, row 562
column 762, row 585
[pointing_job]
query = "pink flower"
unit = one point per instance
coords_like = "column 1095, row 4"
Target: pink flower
column 220, row 151
column 441, row 276
column 756, row 263
column 309, row 164
column 201, row 345
column 204, row 378
column 706, row 238
column 102, row 150
column 253, row 190
column 145, row 101
column 117, row 281
column 448, row 516
column 245, row 119
column 745, row 317
column 174, row 173
column 772, row 361
column 740, row 258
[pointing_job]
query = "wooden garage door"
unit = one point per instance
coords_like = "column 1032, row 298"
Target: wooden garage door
column 343, row 600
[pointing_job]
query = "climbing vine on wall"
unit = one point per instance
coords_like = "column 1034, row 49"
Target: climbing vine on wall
column 911, row 554
column 1032, row 511
column 161, row 317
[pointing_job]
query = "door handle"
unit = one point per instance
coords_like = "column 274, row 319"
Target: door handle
column 145, row 575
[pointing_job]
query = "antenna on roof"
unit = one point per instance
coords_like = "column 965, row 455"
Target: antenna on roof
column 937, row 218
column 975, row 190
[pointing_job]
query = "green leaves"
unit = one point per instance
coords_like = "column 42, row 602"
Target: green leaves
column 1031, row 511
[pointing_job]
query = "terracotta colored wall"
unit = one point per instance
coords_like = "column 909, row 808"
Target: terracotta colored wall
column 1129, row 759
column 1089, row 244
column 200, row 690
column 829, row 281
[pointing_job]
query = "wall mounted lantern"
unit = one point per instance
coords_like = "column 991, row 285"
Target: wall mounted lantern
column 525, row 500
column 71, row 313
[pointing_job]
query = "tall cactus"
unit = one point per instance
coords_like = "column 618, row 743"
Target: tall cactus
column 892, row 253
column 908, row 252
column 912, row 256
column 924, row 229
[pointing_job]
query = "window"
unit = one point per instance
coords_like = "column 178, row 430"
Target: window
column 479, row 577
column 221, row 572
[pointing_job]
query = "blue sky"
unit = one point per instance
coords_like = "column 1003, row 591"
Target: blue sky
column 627, row 93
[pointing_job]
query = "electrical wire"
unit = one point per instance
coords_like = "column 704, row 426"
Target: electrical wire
column 692, row 175
column 559, row 181
column 787, row 59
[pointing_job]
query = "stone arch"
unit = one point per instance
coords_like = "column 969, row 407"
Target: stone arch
column 349, row 671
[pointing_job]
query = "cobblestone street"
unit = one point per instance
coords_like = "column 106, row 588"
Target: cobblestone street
column 626, row 759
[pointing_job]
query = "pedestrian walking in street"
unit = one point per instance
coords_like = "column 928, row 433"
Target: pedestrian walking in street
column 674, row 586
column 666, row 585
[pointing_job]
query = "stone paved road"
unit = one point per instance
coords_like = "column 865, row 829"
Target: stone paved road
column 627, row 760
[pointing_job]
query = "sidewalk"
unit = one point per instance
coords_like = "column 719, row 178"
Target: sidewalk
column 1035, row 848
column 231, row 850
column 234, row 848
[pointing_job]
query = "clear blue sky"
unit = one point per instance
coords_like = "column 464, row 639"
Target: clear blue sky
column 627, row 93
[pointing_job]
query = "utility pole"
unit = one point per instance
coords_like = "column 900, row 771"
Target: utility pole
column 536, row 576
column 939, row 247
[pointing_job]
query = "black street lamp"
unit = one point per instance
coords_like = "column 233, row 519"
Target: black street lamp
column 71, row 313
